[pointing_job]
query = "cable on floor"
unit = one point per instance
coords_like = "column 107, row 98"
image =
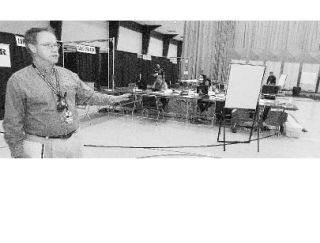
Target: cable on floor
column 180, row 146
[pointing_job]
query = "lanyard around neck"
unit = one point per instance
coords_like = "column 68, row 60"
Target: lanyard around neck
column 56, row 90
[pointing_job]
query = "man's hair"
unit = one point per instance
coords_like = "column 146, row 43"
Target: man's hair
column 30, row 37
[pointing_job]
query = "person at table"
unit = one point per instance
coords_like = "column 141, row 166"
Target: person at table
column 161, row 85
column 158, row 71
column 271, row 79
column 203, row 90
column 201, row 78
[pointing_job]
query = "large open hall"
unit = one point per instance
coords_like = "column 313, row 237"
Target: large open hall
column 243, row 89
column 159, row 122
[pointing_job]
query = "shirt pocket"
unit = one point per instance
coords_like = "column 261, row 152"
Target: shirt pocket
column 40, row 101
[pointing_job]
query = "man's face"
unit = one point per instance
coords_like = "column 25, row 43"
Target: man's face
column 46, row 47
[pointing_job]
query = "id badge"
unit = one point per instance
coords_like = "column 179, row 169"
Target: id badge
column 68, row 117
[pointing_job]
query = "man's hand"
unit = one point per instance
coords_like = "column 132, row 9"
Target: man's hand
column 124, row 97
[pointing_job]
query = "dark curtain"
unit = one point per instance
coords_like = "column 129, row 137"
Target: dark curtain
column 126, row 70
column 70, row 61
column 60, row 61
column 86, row 65
column 128, row 67
column 103, row 75
column 146, row 71
column 19, row 57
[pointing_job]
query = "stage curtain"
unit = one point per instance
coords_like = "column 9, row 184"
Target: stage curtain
column 291, row 41
column 212, row 44
column 206, row 43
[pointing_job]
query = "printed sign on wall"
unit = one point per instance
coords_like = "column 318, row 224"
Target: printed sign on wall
column 20, row 41
column 86, row 49
column 146, row 57
column 173, row 60
column 5, row 55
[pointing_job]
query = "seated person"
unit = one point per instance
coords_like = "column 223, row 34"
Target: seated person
column 201, row 78
column 161, row 85
column 271, row 79
column 203, row 90
column 215, row 89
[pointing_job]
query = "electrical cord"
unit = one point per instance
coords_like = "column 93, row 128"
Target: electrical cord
column 163, row 147
column 181, row 146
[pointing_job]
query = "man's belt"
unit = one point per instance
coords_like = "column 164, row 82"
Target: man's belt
column 66, row 136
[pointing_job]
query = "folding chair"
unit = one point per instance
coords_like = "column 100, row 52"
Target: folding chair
column 241, row 118
column 275, row 120
column 151, row 103
column 205, row 110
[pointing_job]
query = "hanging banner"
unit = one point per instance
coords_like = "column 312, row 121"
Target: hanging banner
column 146, row 57
column 20, row 41
column 5, row 55
column 86, row 49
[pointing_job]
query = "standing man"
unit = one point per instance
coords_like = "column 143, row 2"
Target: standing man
column 40, row 108
column 271, row 79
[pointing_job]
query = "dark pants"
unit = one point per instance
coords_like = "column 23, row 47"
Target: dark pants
column 203, row 105
column 164, row 102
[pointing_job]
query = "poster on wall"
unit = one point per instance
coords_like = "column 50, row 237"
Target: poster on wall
column 86, row 49
column 5, row 55
column 20, row 41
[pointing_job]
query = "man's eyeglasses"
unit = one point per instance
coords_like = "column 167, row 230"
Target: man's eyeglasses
column 51, row 46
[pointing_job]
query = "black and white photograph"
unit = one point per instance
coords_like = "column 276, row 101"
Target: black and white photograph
column 169, row 122
column 214, row 89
